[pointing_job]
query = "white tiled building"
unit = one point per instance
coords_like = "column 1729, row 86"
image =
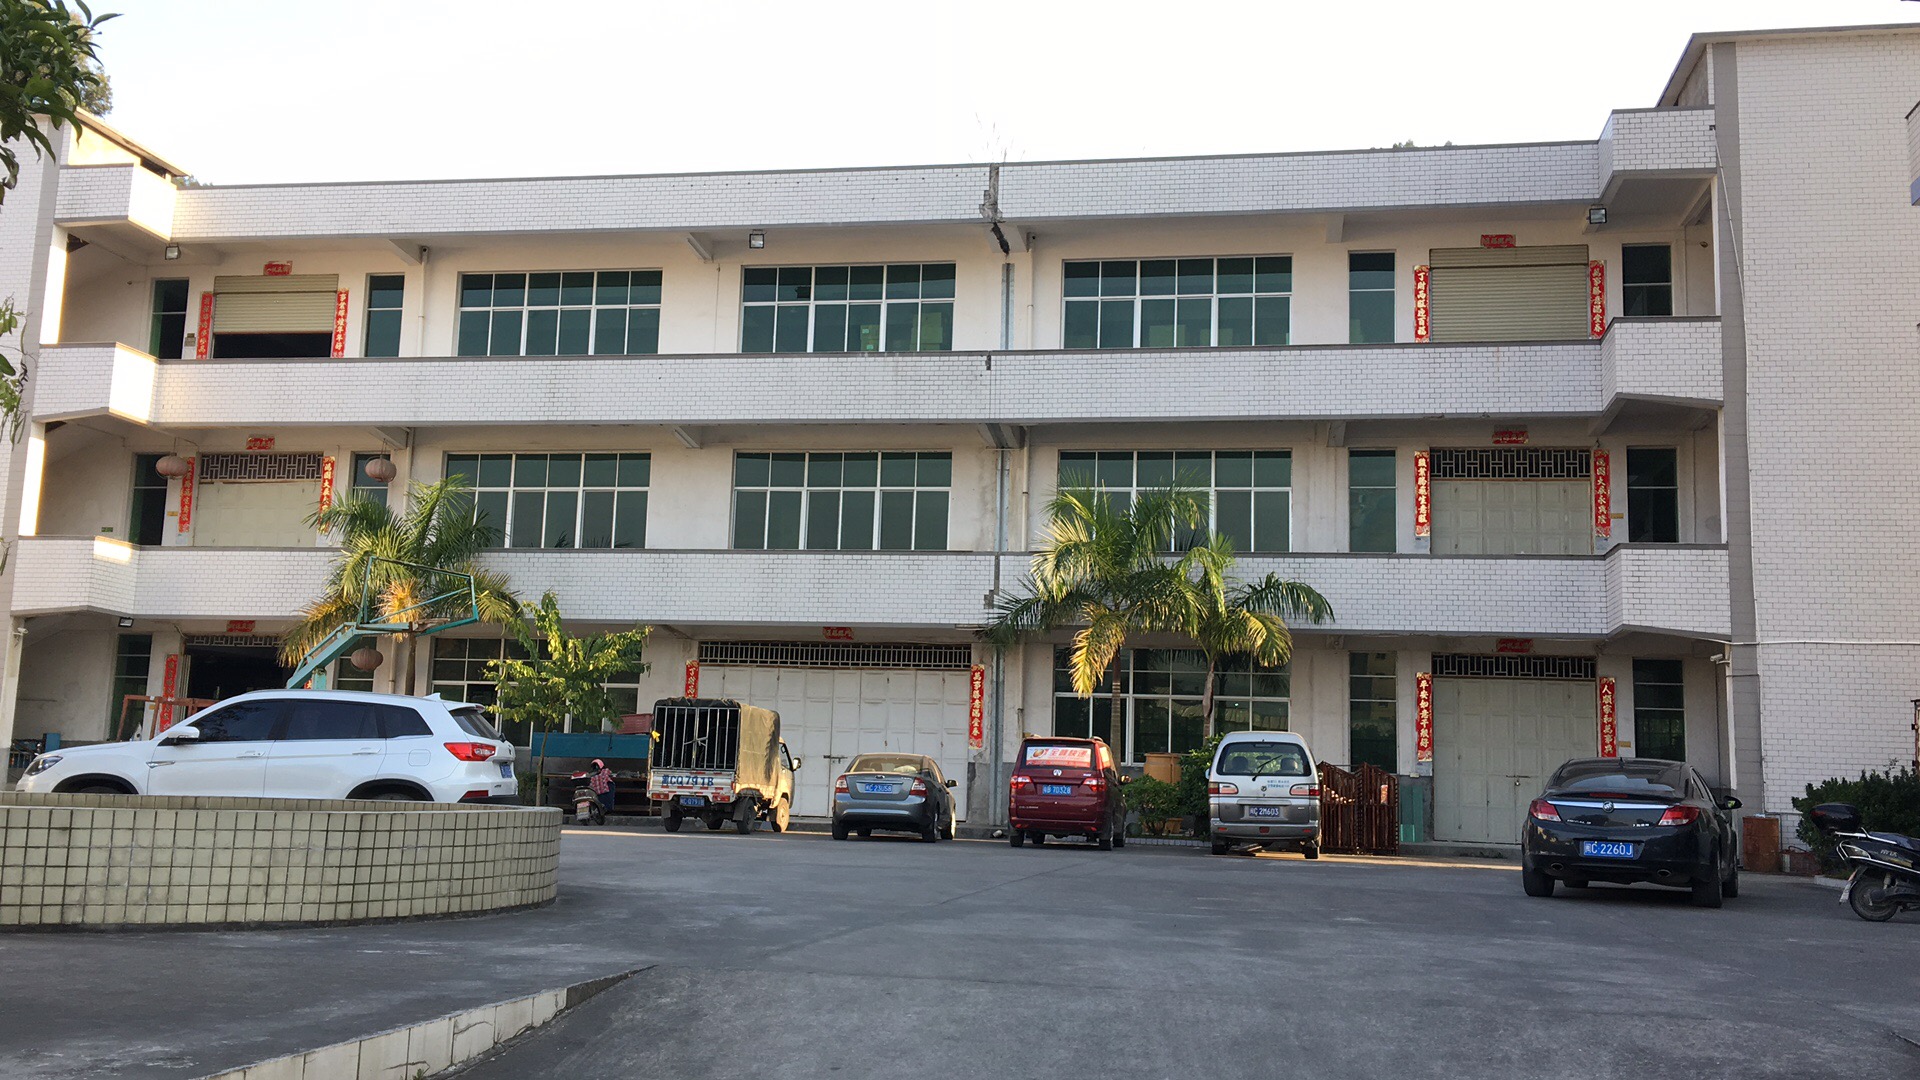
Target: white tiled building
column 1535, row 459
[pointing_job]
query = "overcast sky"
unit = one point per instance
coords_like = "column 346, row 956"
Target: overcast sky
column 253, row 91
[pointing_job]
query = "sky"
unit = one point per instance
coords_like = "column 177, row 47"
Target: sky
column 265, row 91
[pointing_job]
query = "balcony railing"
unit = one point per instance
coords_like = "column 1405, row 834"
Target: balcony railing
column 115, row 194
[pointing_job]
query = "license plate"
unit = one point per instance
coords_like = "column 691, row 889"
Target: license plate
column 878, row 789
column 1606, row 849
column 506, row 771
column 693, row 800
column 1056, row 789
column 1263, row 811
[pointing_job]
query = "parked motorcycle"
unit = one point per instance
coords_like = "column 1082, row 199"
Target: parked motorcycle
column 1886, row 866
column 587, row 809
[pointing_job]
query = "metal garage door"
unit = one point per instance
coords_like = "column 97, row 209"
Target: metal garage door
column 828, row 716
column 1509, row 294
column 1513, row 517
column 1495, row 742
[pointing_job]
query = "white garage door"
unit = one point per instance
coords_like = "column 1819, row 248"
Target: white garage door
column 828, row 716
column 1495, row 742
column 1513, row 517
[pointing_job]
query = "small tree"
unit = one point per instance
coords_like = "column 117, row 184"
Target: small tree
column 562, row 677
column 1236, row 618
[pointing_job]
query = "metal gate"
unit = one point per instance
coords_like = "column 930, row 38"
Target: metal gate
column 1359, row 810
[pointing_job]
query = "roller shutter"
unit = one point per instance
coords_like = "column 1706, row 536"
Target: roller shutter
column 295, row 303
column 1509, row 294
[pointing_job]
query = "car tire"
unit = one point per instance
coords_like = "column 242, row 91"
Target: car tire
column 1104, row 841
column 839, row 831
column 1311, row 851
column 1708, row 893
column 1220, row 847
column 782, row 814
column 1535, row 882
column 947, row 830
column 1039, row 839
column 1867, row 901
column 715, row 824
column 864, row 834
column 1731, row 887
column 744, row 823
column 1015, row 837
column 671, row 822
column 1120, row 836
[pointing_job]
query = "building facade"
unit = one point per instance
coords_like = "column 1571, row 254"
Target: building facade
column 1591, row 445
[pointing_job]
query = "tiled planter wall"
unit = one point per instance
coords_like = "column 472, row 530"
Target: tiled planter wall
column 125, row 861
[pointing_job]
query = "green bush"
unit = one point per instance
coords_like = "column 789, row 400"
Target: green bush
column 1192, row 788
column 1888, row 802
column 1154, row 800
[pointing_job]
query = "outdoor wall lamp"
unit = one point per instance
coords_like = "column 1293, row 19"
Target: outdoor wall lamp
column 125, row 622
column 172, row 252
column 1596, row 215
column 756, row 239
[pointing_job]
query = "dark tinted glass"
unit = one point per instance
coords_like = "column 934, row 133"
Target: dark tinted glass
column 246, row 721
column 397, row 721
column 471, row 721
column 307, row 720
column 1656, row 779
column 1646, row 264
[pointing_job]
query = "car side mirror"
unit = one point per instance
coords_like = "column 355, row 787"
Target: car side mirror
column 180, row 735
column 1730, row 803
column 796, row 764
column 1126, row 779
column 953, row 783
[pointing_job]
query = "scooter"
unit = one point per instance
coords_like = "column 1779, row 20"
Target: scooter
column 1886, row 866
column 587, row 809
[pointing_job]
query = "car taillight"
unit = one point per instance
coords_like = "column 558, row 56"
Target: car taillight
column 1311, row 791
column 1542, row 810
column 1020, row 781
column 1095, row 782
column 1679, row 815
column 472, row 751
column 919, row 788
column 1223, row 789
column 840, row 784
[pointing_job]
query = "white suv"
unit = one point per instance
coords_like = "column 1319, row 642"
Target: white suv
column 301, row 744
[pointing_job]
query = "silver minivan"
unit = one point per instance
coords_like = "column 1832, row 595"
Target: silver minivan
column 1263, row 790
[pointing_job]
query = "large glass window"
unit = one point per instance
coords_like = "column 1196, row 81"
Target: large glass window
column 1373, row 708
column 1659, row 710
column 147, row 510
column 901, row 307
column 384, row 293
column 1646, row 279
column 169, row 329
column 1653, row 495
column 132, row 660
column 1369, row 297
column 559, row 500
column 1160, row 692
column 1250, row 492
column 842, row 501
column 1169, row 303
column 1371, row 524
column 560, row 313
column 366, row 486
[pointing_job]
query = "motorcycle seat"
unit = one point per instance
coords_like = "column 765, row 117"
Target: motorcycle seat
column 1907, row 843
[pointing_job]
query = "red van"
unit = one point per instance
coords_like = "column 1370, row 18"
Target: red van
column 1066, row 787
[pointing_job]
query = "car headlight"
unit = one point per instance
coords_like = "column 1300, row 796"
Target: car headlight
column 42, row 764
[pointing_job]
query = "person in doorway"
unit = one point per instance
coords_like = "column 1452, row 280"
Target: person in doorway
column 601, row 781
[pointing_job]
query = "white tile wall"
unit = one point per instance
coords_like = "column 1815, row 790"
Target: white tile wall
column 108, row 193
column 1662, row 358
column 1658, row 141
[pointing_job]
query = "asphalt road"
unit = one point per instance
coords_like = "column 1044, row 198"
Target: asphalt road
column 801, row 957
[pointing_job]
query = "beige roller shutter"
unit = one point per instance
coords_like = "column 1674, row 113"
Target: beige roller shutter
column 1508, row 294
column 295, row 303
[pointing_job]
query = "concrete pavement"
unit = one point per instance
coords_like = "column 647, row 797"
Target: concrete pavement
column 848, row 959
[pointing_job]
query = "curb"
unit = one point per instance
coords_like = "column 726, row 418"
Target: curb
column 428, row 1048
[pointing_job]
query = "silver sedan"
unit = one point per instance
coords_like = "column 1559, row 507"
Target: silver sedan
column 895, row 792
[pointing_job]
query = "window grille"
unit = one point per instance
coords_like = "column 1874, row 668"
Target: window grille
column 837, row 654
column 1469, row 666
column 229, row 468
column 1511, row 463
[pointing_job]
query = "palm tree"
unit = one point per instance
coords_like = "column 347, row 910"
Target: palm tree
column 382, row 553
column 1109, row 571
column 1237, row 618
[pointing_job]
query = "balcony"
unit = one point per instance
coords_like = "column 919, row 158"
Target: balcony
column 1678, row 590
column 1580, row 379
column 113, row 198
column 1656, row 142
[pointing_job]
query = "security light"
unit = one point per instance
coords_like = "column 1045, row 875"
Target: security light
column 172, row 252
column 1596, row 215
column 125, row 622
column 756, row 239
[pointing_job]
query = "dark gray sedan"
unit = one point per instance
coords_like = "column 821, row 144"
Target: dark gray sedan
column 895, row 792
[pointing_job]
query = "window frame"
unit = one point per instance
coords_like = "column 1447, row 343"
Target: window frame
column 593, row 307
column 1630, row 289
column 480, row 495
column 1187, row 663
column 1391, row 292
column 368, row 311
column 1643, row 715
column 812, row 302
column 1355, row 677
column 1213, row 488
column 146, row 478
column 810, row 492
column 160, row 344
column 124, row 679
column 1393, row 503
column 1634, row 518
column 1213, row 296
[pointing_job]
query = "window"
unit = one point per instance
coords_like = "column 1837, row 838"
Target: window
column 1167, row 303
column 169, row 330
column 1369, row 297
column 567, row 313
column 384, row 293
column 1646, row 279
column 312, row 720
column 1653, row 495
column 1659, row 710
column 1373, row 704
column 903, row 307
column 246, row 721
column 347, row 677
column 1160, row 694
column 147, row 510
column 894, row 501
column 559, row 500
column 132, row 659
column 366, row 486
column 1250, row 491
column 1371, row 524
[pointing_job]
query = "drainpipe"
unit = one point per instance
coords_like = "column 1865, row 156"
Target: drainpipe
column 1001, row 486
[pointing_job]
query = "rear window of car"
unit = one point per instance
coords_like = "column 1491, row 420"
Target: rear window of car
column 473, row 721
column 1055, row 756
column 1663, row 780
column 886, row 763
column 1262, row 759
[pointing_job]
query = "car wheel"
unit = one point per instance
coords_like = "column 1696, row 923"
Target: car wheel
column 1015, row 837
column 1707, row 893
column 715, row 824
column 1311, row 851
column 1220, row 847
column 1731, row 887
column 1535, row 882
column 671, row 822
column 946, row 831
column 1104, row 841
column 782, row 813
column 865, row 834
column 744, row 824
column 1120, row 836
column 839, row 831
column 1038, row 838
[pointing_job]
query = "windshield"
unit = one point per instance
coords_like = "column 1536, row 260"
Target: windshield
column 1262, row 759
column 903, row 764
column 1663, row 780
column 473, row 721
column 1070, row 757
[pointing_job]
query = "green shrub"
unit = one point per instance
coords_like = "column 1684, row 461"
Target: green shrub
column 1888, row 802
column 1192, row 787
column 1154, row 800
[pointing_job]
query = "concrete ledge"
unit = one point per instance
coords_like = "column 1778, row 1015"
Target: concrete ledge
column 428, row 1048
column 89, row 862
